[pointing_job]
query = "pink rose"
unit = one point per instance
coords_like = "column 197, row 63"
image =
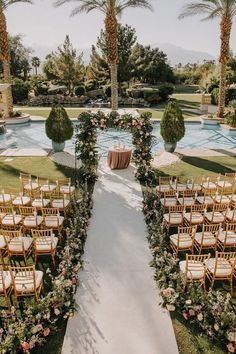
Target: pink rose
column 192, row 312
column 46, row 332
column 231, row 348
column 25, row 346
column 185, row 315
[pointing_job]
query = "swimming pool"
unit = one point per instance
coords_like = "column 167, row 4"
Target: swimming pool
column 33, row 135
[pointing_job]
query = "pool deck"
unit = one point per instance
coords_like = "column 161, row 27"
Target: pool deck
column 24, row 152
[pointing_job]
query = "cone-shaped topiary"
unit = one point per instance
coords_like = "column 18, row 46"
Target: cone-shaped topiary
column 172, row 123
column 59, row 127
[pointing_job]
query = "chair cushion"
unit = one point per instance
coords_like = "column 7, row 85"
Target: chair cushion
column 164, row 188
column 58, row 203
column 53, row 220
column 185, row 240
column 46, row 243
column 8, row 219
column 67, row 189
column 188, row 201
column 224, row 184
column 173, row 218
column 33, row 185
column 218, row 217
column 205, row 200
column 208, row 240
column 209, row 185
column 37, row 203
column 6, row 279
column 231, row 238
column 15, row 245
column 230, row 215
column 2, row 242
column 48, row 188
column 180, row 187
column 170, row 201
column 224, row 199
column 31, row 221
column 224, row 267
column 197, row 218
column 21, row 201
column 6, row 198
column 196, row 269
column 194, row 187
column 25, row 283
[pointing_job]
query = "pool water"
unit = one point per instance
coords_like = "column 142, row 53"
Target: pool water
column 33, row 136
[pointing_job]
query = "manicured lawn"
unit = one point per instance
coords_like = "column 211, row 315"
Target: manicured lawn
column 10, row 168
column 200, row 166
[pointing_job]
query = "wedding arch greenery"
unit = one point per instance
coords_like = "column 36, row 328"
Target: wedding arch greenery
column 86, row 142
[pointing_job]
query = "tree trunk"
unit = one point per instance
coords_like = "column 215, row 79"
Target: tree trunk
column 36, row 71
column 225, row 27
column 114, row 87
column 5, row 58
column 113, row 55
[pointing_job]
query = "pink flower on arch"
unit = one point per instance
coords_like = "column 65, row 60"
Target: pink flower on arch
column 25, row 346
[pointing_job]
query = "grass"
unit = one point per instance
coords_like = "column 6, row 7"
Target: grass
column 200, row 166
column 10, row 169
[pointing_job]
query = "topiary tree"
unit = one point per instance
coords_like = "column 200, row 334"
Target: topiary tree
column 59, row 127
column 172, row 125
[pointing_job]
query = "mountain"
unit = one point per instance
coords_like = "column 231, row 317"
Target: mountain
column 177, row 54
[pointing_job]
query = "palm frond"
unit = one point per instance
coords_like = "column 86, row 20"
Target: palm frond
column 133, row 3
column 198, row 8
column 4, row 4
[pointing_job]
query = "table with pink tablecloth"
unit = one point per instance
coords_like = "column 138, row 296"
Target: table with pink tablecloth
column 119, row 158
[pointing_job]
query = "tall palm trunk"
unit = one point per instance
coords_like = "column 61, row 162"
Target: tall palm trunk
column 5, row 58
column 225, row 27
column 113, row 57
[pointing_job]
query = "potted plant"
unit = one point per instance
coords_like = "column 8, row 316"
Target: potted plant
column 59, row 127
column 172, row 126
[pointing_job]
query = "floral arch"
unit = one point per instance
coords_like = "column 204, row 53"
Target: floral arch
column 86, row 141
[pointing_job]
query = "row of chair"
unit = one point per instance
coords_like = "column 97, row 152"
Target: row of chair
column 15, row 243
column 197, row 267
column 209, row 237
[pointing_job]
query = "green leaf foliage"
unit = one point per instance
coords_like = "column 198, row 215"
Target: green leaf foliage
column 172, row 123
column 59, row 127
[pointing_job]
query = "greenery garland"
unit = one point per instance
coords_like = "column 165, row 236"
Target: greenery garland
column 213, row 311
column 19, row 333
column 86, row 139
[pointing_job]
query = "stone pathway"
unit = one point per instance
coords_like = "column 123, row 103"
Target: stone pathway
column 119, row 310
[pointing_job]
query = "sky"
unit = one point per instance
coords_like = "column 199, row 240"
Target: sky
column 44, row 25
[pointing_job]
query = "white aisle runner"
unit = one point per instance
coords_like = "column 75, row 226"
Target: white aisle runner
column 119, row 309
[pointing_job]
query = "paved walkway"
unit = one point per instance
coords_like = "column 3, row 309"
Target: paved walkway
column 119, row 310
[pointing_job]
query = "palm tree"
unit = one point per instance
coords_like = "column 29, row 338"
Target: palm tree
column 225, row 10
column 4, row 49
column 35, row 61
column 111, row 9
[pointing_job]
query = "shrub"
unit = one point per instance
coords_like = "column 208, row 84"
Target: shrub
column 215, row 96
column 172, row 123
column 80, row 90
column 107, row 90
column 90, row 85
column 230, row 116
column 59, row 90
column 59, row 127
column 165, row 90
column 230, row 95
column 20, row 90
column 152, row 96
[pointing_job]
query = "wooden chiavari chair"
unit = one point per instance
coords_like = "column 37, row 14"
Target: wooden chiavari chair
column 222, row 267
column 45, row 243
column 193, row 269
column 60, row 201
column 17, row 244
column 27, row 182
column 65, row 186
column 217, row 215
column 31, row 219
column 207, row 238
column 5, row 198
column 18, row 198
column 5, row 285
column 206, row 198
column 169, row 199
column 10, row 219
column 183, row 240
column 207, row 184
column 194, row 186
column 196, row 215
column 26, row 281
column 174, row 217
column 178, row 187
column 46, row 186
column 187, row 199
column 52, row 219
column 227, row 237
column 38, row 200
column 231, row 215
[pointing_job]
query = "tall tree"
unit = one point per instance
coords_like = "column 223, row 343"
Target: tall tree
column 98, row 69
column 111, row 9
column 35, row 61
column 65, row 66
column 225, row 10
column 4, row 49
